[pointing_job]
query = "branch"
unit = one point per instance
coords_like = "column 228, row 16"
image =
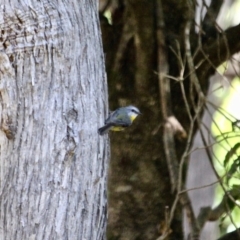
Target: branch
column 218, row 52
column 209, row 21
column 165, row 99
column 193, row 222
column 126, row 36
column 212, row 10
column 208, row 214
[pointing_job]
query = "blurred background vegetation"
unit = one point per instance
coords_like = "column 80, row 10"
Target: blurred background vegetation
column 175, row 173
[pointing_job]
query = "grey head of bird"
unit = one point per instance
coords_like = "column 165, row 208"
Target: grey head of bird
column 132, row 111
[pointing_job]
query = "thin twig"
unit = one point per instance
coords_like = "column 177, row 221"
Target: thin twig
column 197, row 188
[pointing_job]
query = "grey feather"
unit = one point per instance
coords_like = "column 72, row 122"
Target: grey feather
column 119, row 117
column 103, row 130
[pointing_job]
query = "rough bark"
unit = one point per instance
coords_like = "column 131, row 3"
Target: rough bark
column 52, row 92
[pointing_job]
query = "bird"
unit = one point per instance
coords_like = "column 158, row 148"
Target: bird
column 119, row 119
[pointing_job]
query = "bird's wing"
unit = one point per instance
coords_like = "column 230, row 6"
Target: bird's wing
column 120, row 120
column 109, row 117
column 104, row 129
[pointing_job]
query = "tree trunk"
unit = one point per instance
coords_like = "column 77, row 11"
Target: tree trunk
column 52, row 87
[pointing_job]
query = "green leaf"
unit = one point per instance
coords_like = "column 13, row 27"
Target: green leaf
column 230, row 153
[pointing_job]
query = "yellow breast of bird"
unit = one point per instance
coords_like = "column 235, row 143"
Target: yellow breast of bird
column 132, row 117
column 117, row 128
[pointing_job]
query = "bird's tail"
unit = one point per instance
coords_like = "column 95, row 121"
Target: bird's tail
column 103, row 130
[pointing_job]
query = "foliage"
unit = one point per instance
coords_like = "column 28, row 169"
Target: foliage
column 227, row 150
